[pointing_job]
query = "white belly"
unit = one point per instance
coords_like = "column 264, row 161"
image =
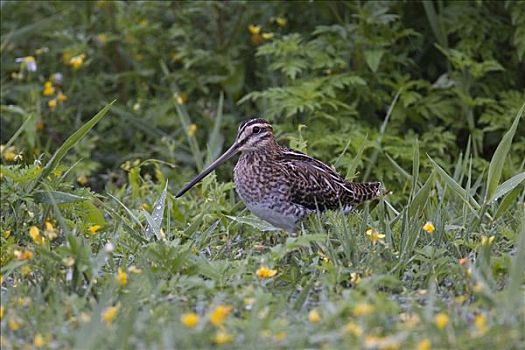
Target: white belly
column 276, row 217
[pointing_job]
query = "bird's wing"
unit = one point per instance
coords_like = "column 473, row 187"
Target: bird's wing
column 315, row 185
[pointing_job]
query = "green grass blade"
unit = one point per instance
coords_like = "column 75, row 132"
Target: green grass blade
column 449, row 181
column 498, row 159
column 155, row 220
column 70, row 142
column 509, row 185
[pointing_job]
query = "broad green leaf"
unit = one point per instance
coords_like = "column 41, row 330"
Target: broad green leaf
column 509, row 185
column 71, row 141
column 498, row 159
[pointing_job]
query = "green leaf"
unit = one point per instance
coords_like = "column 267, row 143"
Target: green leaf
column 454, row 185
column 70, row 142
column 498, row 159
column 254, row 222
column 155, row 220
column 57, row 197
column 373, row 58
column 509, row 185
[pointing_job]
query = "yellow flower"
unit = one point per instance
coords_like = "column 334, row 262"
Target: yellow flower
column 265, row 272
column 487, row 240
column 314, row 316
column 374, row 236
column 52, row 104
column 363, row 309
column 34, row 232
column 355, row 278
column 181, row 98
column 109, row 314
column 94, row 229
column 77, row 61
column 222, row 337
column 353, row 329
column 267, row 36
column 48, row 89
column 50, row 231
column 254, row 29
column 190, row 319
column 82, row 180
column 441, row 320
column 68, row 261
column 135, row 270
column 122, row 277
column 13, row 324
column 424, row 344
column 26, row 270
column 9, row 153
column 192, row 129
column 39, row 341
column 23, row 255
column 428, row 227
column 61, row 97
column 281, row 21
column 2, row 312
column 481, row 323
column 219, row 314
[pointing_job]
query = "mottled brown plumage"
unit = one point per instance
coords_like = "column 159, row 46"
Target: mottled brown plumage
column 281, row 185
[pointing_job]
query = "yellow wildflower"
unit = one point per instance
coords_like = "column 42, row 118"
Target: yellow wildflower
column 428, row 227
column 39, row 341
column 48, row 89
column 192, row 129
column 181, row 98
column 487, row 240
column 281, row 21
column 219, row 314
column 61, row 97
column 68, row 261
column 363, row 309
column 267, row 36
column 424, row 344
column 50, row 231
column 265, row 272
column 82, row 180
column 77, row 61
column 314, row 316
column 26, row 270
column 254, row 29
column 23, row 255
column 374, row 236
column 481, row 323
column 222, row 337
column 135, row 270
column 190, row 319
column 2, row 311
column 94, row 229
column 34, row 232
column 52, row 104
column 122, row 278
column 9, row 153
column 353, row 329
column 441, row 320
column 109, row 314
column 355, row 278
column 13, row 324
column 7, row 233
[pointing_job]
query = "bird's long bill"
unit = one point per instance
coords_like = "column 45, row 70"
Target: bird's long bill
column 225, row 156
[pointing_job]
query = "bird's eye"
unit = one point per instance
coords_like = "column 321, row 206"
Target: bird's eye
column 256, row 130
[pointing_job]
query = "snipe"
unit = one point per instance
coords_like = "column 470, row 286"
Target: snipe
column 281, row 185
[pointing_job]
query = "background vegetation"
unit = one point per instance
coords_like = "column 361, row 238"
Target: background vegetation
column 426, row 97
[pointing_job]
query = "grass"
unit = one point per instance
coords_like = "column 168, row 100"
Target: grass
column 139, row 268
